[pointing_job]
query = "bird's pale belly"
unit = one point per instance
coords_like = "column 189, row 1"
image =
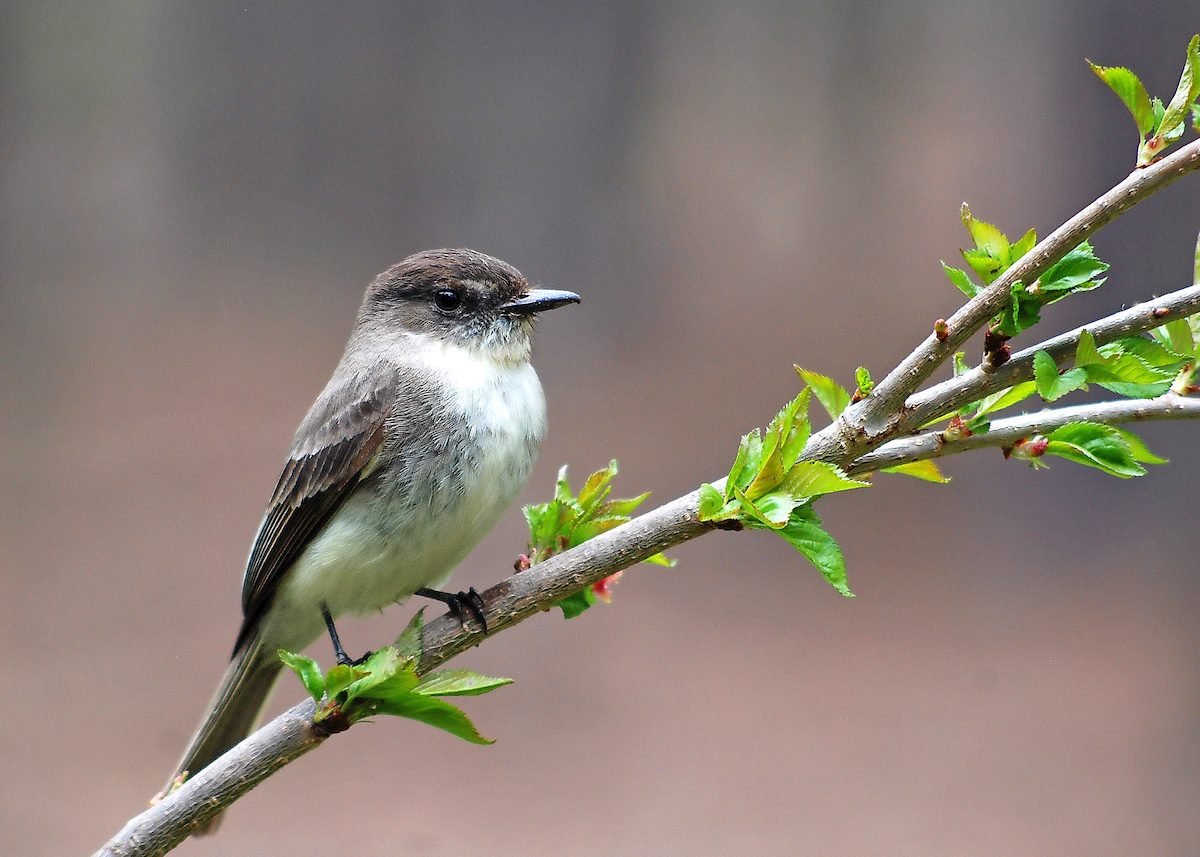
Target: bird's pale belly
column 389, row 539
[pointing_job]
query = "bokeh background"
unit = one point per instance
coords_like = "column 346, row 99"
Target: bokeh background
column 193, row 197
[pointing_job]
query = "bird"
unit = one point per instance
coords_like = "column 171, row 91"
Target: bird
column 424, row 434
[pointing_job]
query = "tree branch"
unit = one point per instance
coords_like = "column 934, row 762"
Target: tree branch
column 879, row 414
column 949, row 396
column 861, row 428
column 289, row 736
column 1168, row 406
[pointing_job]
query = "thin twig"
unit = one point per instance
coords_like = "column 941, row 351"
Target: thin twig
column 878, row 415
column 1168, row 406
column 949, row 396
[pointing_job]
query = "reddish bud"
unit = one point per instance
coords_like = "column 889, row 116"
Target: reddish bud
column 1161, row 312
column 956, row 430
column 993, row 340
column 602, row 589
column 995, row 359
column 941, row 330
column 522, row 563
column 1028, row 448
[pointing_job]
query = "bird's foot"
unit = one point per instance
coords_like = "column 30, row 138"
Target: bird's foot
column 460, row 604
column 357, row 662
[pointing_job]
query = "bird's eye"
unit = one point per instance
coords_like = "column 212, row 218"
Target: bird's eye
column 447, row 300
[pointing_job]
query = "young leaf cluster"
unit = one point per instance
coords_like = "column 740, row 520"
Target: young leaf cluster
column 569, row 520
column 1158, row 124
column 1132, row 367
column 993, row 254
column 770, row 488
column 387, row 683
column 1135, row 367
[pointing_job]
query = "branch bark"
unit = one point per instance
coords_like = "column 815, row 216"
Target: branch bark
column 949, row 396
column 1007, row 432
column 849, row 442
column 879, row 415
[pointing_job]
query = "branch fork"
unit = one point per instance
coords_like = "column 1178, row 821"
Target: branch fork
column 871, row 434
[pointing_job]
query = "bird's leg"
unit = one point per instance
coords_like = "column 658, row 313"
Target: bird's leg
column 460, row 603
column 338, row 651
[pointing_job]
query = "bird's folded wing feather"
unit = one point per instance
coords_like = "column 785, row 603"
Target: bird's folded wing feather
column 337, row 440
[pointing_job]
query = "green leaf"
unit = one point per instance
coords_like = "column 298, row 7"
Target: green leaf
column 597, row 488
column 805, row 533
column 711, row 502
column 365, row 693
column 1075, row 271
column 770, row 473
column 960, row 364
column 775, row 508
column 626, row 506
column 986, row 236
column 983, row 263
column 797, row 438
column 1189, row 87
column 862, row 377
column 459, row 683
column 1094, row 445
column 542, row 519
column 1128, row 87
column 782, row 423
column 569, row 520
column 1052, row 386
column 1026, row 243
column 1152, row 353
column 434, row 712
column 1113, row 381
column 1177, row 336
column 746, row 463
column 376, row 676
column 1022, row 312
column 832, row 396
column 1085, row 351
column 752, row 514
column 1129, row 375
column 1006, row 398
column 1138, row 448
column 961, row 280
column 307, row 670
column 339, row 677
column 926, row 470
column 411, row 642
column 562, row 488
column 775, row 443
column 814, row 478
column 577, row 603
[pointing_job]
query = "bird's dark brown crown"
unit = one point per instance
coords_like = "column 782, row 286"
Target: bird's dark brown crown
column 422, row 274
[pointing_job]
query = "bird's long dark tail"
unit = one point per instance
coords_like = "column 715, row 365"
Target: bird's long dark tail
column 234, row 710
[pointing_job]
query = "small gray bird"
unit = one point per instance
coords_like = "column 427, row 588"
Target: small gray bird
column 420, row 440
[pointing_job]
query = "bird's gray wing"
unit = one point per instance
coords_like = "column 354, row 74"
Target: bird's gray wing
column 337, row 440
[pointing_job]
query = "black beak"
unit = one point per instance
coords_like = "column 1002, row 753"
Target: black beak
column 537, row 300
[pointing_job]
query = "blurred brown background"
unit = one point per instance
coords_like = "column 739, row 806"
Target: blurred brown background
column 195, row 194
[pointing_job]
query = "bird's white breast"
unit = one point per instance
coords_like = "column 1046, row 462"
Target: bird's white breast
column 380, row 547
